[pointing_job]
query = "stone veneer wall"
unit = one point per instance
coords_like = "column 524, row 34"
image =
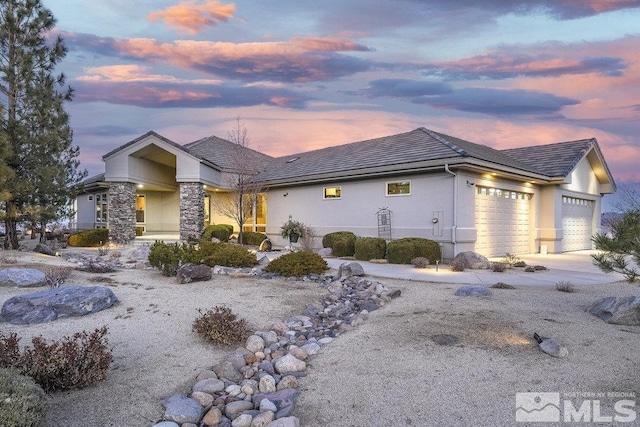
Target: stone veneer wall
column 122, row 212
column 191, row 210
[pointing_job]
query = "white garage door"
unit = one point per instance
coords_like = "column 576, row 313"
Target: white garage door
column 502, row 222
column 577, row 217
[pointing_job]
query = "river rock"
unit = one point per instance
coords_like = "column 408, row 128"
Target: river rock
column 182, row 409
column 554, row 348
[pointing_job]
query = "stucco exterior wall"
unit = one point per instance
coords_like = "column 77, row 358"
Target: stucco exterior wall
column 162, row 210
column 582, row 179
column 356, row 210
column 85, row 217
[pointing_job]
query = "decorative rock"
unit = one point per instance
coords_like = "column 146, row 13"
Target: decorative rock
column 140, row 253
column 22, row 277
column 618, row 310
column 288, row 381
column 192, row 273
column 269, row 337
column 255, row 343
column 280, row 398
column 267, row 384
column 206, row 374
column 473, row 291
column 210, row 386
column 233, row 390
column 52, row 304
column 204, row 399
column 166, row 424
column 285, row 422
column 233, row 409
column 311, row 348
column 213, row 417
column 348, row 269
column 181, row 409
column 289, row 363
column 325, row 252
column 41, row 248
column 471, row 260
column 554, row 348
column 243, row 420
column 267, row 405
column 263, row 418
column 298, row 353
column 265, row 246
column 226, row 370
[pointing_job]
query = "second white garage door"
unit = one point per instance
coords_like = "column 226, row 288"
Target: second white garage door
column 577, row 218
column 502, row 222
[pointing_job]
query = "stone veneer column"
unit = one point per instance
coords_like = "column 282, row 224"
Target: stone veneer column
column 191, row 210
column 122, row 212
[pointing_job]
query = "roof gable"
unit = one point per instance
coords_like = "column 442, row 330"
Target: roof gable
column 224, row 154
column 554, row 160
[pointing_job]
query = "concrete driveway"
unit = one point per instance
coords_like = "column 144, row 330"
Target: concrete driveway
column 575, row 267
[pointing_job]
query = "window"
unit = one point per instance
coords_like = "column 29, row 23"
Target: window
column 257, row 221
column 332, row 193
column 576, row 201
column 207, row 210
column 399, row 188
column 141, row 207
column 102, row 207
column 506, row 194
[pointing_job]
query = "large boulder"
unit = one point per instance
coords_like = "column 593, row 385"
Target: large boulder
column 22, row 277
column 473, row 291
column 471, row 260
column 193, row 273
column 348, row 269
column 52, row 304
column 41, row 248
column 618, row 310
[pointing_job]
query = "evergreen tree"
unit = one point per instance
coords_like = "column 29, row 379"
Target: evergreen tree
column 38, row 139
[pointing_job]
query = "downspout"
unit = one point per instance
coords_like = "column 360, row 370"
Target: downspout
column 455, row 208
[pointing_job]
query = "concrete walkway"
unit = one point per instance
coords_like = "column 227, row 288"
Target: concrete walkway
column 575, row 267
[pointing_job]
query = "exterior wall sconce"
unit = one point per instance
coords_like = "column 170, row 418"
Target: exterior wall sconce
column 470, row 184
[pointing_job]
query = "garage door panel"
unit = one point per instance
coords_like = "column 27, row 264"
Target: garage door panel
column 502, row 221
column 577, row 218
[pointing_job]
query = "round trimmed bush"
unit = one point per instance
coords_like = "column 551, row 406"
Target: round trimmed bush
column 342, row 243
column 230, row 255
column 221, row 232
column 22, row 401
column 402, row 251
column 252, row 238
column 297, row 264
column 367, row 248
column 90, row 238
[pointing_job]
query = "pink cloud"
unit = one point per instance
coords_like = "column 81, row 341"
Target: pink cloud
column 190, row 17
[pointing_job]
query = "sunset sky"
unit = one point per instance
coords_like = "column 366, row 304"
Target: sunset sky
column 309, row 74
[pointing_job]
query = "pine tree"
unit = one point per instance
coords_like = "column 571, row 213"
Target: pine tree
column 41, row 157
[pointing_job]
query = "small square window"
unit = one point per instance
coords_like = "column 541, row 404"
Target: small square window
column 332, row 193
column 90, row 198
column 399, row 188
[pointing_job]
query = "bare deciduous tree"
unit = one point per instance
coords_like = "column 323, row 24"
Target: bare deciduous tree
column 243, row 189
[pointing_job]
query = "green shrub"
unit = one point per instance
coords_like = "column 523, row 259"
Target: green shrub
column 252, row 238
column 221, row 232
column 342, row 243
column 297, row 264
column 23, row 403
column 89, row 238
column 72, row 362
column 402, row 251
column 368, row 248
column 221, row 326
column 230, row 256
column 168, row 257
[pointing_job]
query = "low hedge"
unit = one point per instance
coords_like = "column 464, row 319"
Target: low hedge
column 230, row 255
column 90, row 238
column 402, row 251
column 342, row 243
column 368, row 248
column 221, row 232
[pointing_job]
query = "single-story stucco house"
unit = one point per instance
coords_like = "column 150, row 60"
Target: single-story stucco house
column 420, row 183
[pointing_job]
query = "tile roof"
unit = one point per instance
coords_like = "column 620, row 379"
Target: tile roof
column 223, row 153
column 553, row 160
column 391, row 152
